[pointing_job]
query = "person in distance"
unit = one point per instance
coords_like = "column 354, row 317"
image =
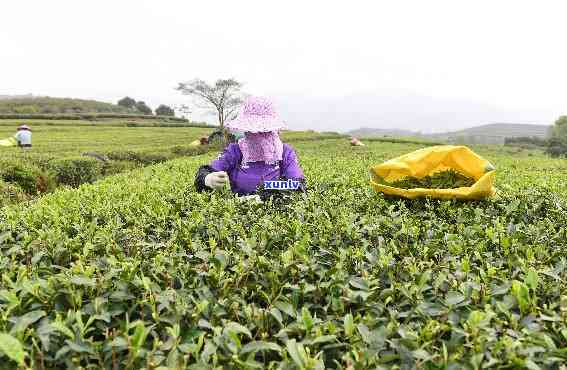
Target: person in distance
column 257, row 159
column 23, row 136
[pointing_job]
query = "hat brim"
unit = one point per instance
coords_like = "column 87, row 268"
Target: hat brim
column 257, row 125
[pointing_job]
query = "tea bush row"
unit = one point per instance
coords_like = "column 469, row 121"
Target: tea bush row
column 140, row 271
column 43, row 174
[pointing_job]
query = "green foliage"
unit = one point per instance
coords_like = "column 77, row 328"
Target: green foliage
column 143, row 108
column 12, row 348
column 10, row 194
column 130, row 104
column 527, row 142
column 148, row 158
column 27, row 176
column 164, row 110
column 140, row 271
column 100, row 117
column 74, row 171
column 58, row 155
column 123, row 155
column 557, row 146
column 56, row 106
column 126, row 149
column 127, row 103
column 118, row 166
column 449, row 179
column 560, row 128
column 142, row 157
column 401, row 140
column 187, row 151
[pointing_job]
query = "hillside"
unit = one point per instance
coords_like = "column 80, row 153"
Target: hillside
column 494, row 133
column 47, row 105
column 27, row 96
column 370, row 132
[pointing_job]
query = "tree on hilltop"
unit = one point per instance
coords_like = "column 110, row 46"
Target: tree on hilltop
column 143, row 108
column 223, row 98
column 164, row 110
column 127, row 102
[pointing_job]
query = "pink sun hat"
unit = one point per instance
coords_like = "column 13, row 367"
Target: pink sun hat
column 257, row 115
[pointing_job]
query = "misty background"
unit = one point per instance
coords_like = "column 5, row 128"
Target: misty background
column 329, row 65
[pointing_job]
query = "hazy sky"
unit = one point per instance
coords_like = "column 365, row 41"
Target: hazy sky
column 428, row 65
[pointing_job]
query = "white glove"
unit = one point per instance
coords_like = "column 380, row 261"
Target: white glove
column 216, row 180
column 254, row 198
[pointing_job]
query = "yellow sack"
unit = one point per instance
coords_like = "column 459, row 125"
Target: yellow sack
column 11, row 141
column 427, row 161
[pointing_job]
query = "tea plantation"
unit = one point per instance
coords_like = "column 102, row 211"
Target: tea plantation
column 68, row 153
column 138, row 270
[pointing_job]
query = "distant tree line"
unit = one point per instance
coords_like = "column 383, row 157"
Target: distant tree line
column 46, row 105
column 527, row 141
column 141, row 107
column 50, row 106
column 97, row 117
column 555, row 146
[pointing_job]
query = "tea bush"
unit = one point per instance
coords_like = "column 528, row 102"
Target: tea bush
column 115, row 167
column 10, row 194
column 185, row 150
column 140, row 271
column 148, row 158
column 75, row 171
column 58, row 145
column 61, row 151
column 27, row 176
column 142, row 157
column 123, row 155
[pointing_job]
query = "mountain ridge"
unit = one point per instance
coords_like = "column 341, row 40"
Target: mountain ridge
column 491, row 133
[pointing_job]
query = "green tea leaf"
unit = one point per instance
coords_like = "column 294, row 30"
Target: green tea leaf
column 359, row 283
column 285, row 307
column 476, row 319
column 454, row 298
column 277, row 315
column 237, row 328
column 83, row 280
column 60, row 327
column 522, row 295
column 140, row 335
column 307, row 319
column 26, row 320
column 295, row 350
column 449, row 179
column 531, row 279
column 12, row 348
column 324, row 339
column 257, row 346
column 348, row 323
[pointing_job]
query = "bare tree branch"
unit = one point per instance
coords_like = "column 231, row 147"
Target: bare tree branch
column 223, row 97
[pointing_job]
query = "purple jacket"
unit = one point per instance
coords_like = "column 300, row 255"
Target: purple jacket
column 245, row 180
